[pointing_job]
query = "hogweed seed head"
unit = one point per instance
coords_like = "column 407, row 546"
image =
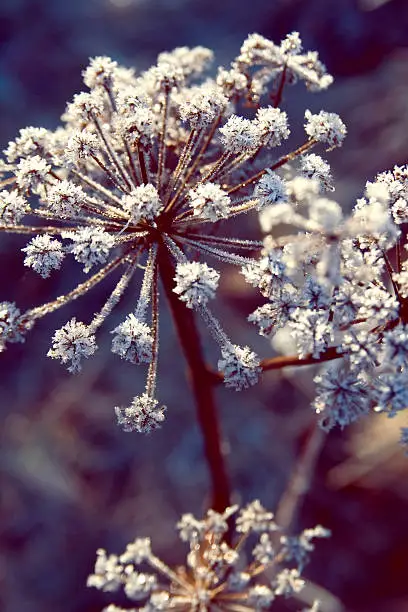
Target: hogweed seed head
column 223, row 567
column 140, row 173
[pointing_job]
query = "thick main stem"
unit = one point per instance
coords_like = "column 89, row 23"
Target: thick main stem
column 202, row 385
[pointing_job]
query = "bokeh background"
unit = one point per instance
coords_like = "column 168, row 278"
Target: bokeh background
column 70, row 480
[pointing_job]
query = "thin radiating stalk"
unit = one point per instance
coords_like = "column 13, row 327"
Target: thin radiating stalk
column 152, row 372
column 113, row 157
column 81, row 289
column 281, row 162
column 161, row 157
column 200, row 380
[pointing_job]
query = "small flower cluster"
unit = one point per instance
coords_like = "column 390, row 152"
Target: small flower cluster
column 138, row 176
column 338, row 288
column 217, row 574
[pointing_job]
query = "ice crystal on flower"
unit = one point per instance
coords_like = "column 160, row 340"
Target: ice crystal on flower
column 325, row 127
column 71, row 343
column 43, row 254
column 270, row 189
column 196, row 283
column 13, row 207
column 133, row 340
column 216, row 574
column 240, row 367
column 143, row 415
column 315, row 167
column 209, row 201
column 13, row 325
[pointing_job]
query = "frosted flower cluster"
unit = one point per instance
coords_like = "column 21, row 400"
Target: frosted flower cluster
column 337, row 287
column 134, row 184
column 251, row 571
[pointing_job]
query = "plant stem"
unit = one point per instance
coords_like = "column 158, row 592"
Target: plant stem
column 202, row 385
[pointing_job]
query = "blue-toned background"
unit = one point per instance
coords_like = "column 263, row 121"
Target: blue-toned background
column 70, row 480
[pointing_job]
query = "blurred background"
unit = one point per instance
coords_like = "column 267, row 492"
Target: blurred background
column 70, row 480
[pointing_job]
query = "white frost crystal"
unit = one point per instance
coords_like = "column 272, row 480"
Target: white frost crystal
column 71, row 343
column 210, row 201
column 325, row 127
column 133, row 340
column 270, row 189
column 196, row 283
column 142, row 203
column 240, row 366
column 43, row 254
column 91, row 245
column 13, row 207
column 143, row 415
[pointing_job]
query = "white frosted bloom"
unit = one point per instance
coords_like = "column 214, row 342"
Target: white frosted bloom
column 232, row 81
column 391, row 393
column 31, row 172
column 71, row 343
column 203, row 107
column 143, row 202
column 191, row 61
column 260, row 597
column 136, row 127
column 13, row 207
column 372, row 218
column 315, row 167
column 264, row 552
column 240, row 135
column 81, row 145
column 85, row 106
column 311, row 330
column 143, row 415
column 396, row 346
column 209, row 201
column 190, row 529
column 196, row 283
column 268, row 274
column 275, row 314
column 65, row 198
column 361, row 348
column 43, row 254
column 13, row 325
column 133, row 340
column 240, row 367
column 137, row 551
column 270, row 189
column 100, row 72
column 108, row 574
column 291, row 44
column 327, row 214
column 139, row 585
column 254, row 517
column 91, row 245
column 31, row 141
column 288, row 582
column 341, row 397
column 273, row 125
column 400, row 211
column 377, row 190
column 325, row 127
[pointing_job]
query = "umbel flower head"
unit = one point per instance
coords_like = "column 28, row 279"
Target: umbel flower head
column 259, row 565
column 138, row 176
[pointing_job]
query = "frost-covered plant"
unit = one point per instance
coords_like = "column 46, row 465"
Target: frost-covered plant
column 245, row 568
column 139, row 175
column 338, row 289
